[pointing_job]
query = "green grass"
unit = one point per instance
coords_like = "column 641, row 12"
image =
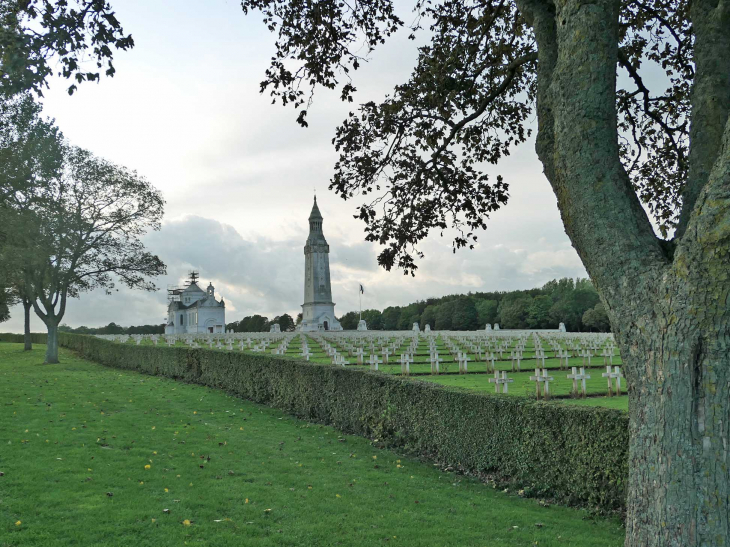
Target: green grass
column 76, row 438
column 560, row 387
column 619, row 403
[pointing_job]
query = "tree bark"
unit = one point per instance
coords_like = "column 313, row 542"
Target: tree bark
column 27, row 305
column 670, row 313
column 679, row 365
column 52, row 344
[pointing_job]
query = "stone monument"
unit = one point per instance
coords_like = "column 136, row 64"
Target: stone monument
column 318, row 310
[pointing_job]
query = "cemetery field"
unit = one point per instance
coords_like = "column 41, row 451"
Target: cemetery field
column 97, row 456
column 479, row 374
column 522, row 385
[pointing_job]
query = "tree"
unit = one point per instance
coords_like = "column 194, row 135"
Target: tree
column 390, row 318
column 558, row 288
column 605, row 150
column 596, row 318
column 76, row 30
column 286, row 323
column 428, row 317
column 465, row 315
column 349, row 320
column 487, row 310
column 31, row 156
column 444, row 315
column 89, row 234
column 111, row 328
column 6, row 300
column 373, row 319
column 538, row 316
column 409, row 315
column 254, row 323
column 513, row 311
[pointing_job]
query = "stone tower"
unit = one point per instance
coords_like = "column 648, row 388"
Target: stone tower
column 318, row 310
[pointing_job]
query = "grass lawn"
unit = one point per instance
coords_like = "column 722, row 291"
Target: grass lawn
column 523, row 386
column 620, row 403
column 95, row 456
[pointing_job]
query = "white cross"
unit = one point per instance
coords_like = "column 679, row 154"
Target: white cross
column 607, row 356
column 306, row 354
column 610, row 375
column 516, row 357
column 563, row 354
column 374, row 362
column 579, row 377
column 543, row 379
column 586, row 354
column 539, row 355
column 463, row 360
column 500, row 381
column 489, row 358
column 405, row 364
column 435, row 360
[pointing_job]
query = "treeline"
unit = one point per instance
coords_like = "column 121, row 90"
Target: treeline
column 259, row 323
column 113, row 328
column 573, row 302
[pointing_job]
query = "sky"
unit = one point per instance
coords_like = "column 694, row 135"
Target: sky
column 238, row 175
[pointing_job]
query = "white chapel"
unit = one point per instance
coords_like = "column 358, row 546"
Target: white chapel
column 318, row 310
column 193, row 310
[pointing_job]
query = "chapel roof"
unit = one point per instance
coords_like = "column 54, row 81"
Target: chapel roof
column 193, row 287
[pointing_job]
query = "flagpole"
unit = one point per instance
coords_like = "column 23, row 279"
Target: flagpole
column 359, row 294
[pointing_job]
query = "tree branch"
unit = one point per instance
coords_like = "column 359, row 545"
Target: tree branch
column 601, row 213
column 710, row 98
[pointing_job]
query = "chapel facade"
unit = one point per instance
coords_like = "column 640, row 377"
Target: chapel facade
column 318, row 310
column 191, row 310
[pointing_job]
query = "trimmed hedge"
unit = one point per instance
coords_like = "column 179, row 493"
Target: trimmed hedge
column 35, row 337
column 577, row 455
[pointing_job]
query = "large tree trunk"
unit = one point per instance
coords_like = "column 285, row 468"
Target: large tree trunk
column 27, row 305
column 670, row 311
column 52, row 344
column 679, row 368
column 679, row 405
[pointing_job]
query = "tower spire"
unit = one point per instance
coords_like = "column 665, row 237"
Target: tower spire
column 315, row 218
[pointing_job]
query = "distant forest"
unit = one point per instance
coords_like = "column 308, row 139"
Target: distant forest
column 113, row 328
column 573, row 302
column 569, row 301
column 259, row 323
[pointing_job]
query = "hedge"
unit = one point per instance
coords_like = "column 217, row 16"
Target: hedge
column 35, row 337
column 574, row 454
